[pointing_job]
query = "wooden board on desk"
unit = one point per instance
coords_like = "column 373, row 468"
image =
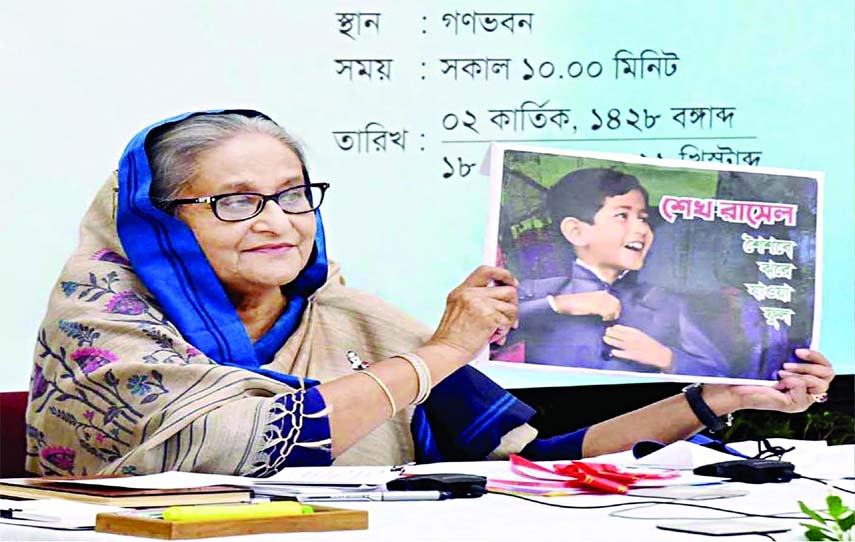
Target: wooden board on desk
column 323, row 519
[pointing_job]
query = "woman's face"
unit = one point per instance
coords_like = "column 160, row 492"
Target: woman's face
column 256, row 256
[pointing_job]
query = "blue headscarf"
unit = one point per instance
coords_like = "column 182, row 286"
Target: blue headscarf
column 166, row 256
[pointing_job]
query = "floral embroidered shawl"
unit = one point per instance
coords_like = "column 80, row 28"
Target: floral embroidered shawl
column 143, row 366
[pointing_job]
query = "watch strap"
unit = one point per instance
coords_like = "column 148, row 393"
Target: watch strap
column 702, row 410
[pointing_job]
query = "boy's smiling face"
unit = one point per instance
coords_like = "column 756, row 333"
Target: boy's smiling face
column 619, row 238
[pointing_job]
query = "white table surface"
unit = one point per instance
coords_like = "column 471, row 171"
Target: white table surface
column 500, row 518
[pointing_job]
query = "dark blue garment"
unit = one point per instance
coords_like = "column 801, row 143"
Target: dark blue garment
column 577, row 341
column 469, row 426
column 705, row 262
column 562, row 447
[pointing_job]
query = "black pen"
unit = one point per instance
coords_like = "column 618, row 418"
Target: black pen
column 375, row 496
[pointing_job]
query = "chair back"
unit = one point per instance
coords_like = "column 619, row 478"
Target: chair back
column 13, row 442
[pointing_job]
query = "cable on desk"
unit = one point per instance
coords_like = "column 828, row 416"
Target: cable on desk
column 765, row 450
column 671, row 503
column 622, row 514
column 838, row 488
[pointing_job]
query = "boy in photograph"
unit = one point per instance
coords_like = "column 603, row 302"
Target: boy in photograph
column 600, row 316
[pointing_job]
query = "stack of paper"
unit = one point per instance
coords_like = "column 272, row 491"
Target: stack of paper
column 323, row 480
column 288, row 481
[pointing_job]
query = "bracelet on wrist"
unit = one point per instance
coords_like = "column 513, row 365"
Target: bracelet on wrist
column 393, row 408
column 422, row 373
column 702, row 410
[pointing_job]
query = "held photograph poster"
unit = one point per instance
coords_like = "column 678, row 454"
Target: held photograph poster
column 679, row 270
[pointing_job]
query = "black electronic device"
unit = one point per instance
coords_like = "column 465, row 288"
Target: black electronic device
column 752, row 471
column 457, row 485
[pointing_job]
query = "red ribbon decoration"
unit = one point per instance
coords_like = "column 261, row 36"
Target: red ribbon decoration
column 579, row 474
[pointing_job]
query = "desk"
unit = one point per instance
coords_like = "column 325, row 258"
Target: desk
column 503, row 518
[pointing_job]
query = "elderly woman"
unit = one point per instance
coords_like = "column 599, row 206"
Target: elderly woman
column 200, row 326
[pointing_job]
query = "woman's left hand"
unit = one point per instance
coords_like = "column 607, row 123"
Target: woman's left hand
column 799, row 385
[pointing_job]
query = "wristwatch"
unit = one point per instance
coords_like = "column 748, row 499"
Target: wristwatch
column 703, row 411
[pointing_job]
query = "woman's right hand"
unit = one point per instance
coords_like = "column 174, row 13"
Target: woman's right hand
column 483, row 308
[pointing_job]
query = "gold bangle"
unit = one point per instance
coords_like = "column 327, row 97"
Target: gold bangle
column 385, row 389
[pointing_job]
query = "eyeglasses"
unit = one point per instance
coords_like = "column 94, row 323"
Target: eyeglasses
column 240, row 206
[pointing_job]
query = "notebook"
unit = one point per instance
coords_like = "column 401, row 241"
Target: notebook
column 66, row 488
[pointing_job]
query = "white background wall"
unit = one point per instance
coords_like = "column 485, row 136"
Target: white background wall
column 79, row 79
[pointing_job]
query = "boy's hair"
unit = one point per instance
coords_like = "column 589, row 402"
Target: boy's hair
column 581, row 193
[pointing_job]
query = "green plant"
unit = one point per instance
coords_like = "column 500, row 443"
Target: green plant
column 836, row 525
column 818, row 423
column 832, row 426
column 754, row 424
